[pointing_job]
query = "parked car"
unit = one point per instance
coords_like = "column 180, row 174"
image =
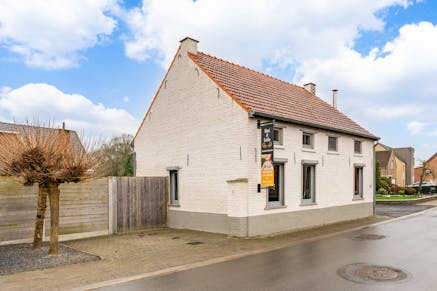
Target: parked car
column 417, row 184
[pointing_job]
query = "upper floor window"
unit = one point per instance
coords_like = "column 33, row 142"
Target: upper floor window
column 308, row 140
column 278, row 137
column 357, row 146
column 332, row 143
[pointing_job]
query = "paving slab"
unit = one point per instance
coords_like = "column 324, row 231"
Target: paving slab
column 155, row 250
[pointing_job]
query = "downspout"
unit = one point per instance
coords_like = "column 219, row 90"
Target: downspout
column 374, row 180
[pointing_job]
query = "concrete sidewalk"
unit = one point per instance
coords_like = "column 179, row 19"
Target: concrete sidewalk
column 154, row 250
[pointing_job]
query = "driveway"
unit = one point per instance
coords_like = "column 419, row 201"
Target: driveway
column 397, row 210
column 395, row 255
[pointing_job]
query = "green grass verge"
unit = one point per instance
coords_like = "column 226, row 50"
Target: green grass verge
column 396, row 197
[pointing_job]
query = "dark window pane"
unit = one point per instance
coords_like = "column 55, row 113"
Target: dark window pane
column 332, row 143
column 174, row 186
column 276, row 135
column 307, row 182
column 357, row 182
column 275, row 191
column 357, row 147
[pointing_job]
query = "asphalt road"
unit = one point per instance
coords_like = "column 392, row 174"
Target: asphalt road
column 397, row 210
column 409, row 244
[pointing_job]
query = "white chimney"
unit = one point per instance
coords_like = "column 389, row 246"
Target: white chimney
column 189, row 45
column 334, row 98
column 311, row 87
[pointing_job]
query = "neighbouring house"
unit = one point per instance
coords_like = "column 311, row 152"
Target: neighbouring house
column 432, row 164
column 202, row 131
column 396, row 163
column 14, row 128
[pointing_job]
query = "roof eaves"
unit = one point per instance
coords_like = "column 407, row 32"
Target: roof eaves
column 294, row 121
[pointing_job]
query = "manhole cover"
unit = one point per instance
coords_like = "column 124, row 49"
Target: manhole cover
column 194, row 243
column 365, row 273
column 362, row 237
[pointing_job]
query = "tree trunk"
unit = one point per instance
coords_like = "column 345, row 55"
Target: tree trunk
column 53, row 191
column 40, row 215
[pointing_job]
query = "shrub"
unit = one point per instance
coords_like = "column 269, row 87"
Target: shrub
column 410, row 191
column 402, row 191
column 382, row 191
column 393, row 189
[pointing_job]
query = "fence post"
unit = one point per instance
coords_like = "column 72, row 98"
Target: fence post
column 112, row 205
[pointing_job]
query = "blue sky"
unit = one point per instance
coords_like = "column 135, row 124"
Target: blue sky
column 97, row 66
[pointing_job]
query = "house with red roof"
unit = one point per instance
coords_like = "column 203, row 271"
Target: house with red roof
column 203, row 131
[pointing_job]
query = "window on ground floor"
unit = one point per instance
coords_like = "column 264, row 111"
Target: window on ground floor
column 174, row 185
column 275, row 194
column 358, row 182
column 308, row 183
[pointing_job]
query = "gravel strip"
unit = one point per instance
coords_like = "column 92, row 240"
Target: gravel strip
column 22, row 257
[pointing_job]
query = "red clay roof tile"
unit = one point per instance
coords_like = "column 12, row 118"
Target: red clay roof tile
column 260, row 93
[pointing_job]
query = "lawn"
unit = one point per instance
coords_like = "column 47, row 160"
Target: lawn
column 396, row 197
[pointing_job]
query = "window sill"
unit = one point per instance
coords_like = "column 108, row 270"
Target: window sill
column 307, row 203
column 308, row 150
column 279, row 147
column 357, row 198
column 358, row 155
column 274, row 206
column 174, row 205
column 333, row 153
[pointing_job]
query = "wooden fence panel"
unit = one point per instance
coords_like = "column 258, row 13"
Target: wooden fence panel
column 17, row 210
column 141, row 202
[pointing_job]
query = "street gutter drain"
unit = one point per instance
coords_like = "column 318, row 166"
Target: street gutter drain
column 363, row 237
column 194, row 243
column 371, row 274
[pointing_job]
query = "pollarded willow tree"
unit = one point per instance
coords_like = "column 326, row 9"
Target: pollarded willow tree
column 48, row 157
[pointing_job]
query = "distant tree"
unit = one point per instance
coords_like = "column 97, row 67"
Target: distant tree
column 47, row 157
column 378, row 175
column 117, row 157
column 425, row 172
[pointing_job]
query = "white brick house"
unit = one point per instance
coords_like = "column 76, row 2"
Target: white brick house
column 202, row 131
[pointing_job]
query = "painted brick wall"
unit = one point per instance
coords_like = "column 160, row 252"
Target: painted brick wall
column 334, row 172
column 194, row 125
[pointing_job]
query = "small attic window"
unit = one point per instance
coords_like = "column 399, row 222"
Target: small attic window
column 197, row 71
column 179, row 56
column 218, row 93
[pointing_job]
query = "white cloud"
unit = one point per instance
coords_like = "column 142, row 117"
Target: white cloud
column 394, row 111
column 398, row 84
column 52, row 34
column 282, row 32
column 126, row 99
column 416, row 127
column 47, row 103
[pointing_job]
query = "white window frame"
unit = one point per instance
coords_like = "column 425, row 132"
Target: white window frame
column 313, row 166
column 360, row 193
column 361, row 146
column 280, row 203
column 280, row 131
column 311, row 136
column 336, row 143
column 174, row 193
